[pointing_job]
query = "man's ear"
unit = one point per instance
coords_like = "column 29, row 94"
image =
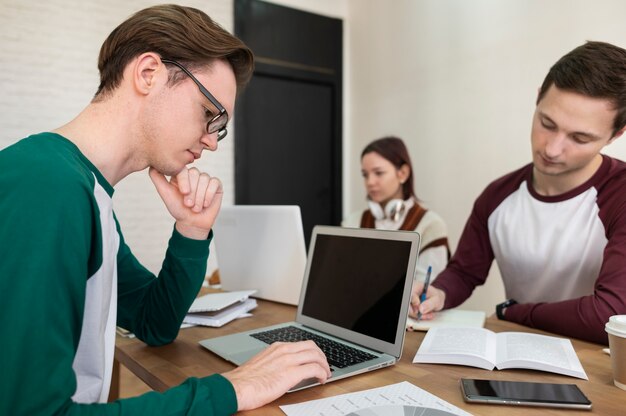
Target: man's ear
column 145, row 72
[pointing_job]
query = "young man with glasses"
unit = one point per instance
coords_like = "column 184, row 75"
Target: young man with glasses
column 557, row 226
column 169, row 77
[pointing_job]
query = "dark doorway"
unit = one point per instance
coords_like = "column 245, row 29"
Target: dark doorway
column 288, row 120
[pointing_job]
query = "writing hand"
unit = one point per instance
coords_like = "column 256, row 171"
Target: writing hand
column 269, row 374
column 192, row 197
column 435, row 299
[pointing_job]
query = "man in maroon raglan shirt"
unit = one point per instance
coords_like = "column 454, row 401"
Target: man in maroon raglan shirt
column 557, row 226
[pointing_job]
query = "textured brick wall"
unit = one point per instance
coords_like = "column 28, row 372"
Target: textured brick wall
column 48, row 73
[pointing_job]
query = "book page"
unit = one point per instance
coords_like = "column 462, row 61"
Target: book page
column 458, row 345
column 538, row 352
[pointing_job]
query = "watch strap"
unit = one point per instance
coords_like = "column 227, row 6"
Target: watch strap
column 500, row 307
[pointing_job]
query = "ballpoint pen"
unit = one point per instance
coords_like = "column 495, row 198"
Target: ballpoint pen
column 423, row 295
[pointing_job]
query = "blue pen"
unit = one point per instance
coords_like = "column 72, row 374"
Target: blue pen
column 423, row 295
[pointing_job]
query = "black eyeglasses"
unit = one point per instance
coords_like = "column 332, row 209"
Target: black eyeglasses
column 217, row 123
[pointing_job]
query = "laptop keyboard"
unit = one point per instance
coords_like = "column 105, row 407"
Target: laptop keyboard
column 337, row 354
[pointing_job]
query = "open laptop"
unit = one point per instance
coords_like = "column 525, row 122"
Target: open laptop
column 261, row 247
column 355, row 293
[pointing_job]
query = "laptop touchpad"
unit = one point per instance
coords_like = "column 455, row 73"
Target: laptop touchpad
column 240, row 357
column 304, row 383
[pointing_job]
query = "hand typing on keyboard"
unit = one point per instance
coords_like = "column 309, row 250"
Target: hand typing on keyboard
column 338, row 355
column 269, row 374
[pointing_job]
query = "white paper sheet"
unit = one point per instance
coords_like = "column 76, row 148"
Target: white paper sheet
column 218, row 301
column 449, row 317
column 220, row 318
column 402, row 398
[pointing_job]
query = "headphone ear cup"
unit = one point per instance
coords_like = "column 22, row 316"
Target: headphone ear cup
column 376, row 210
column 394, row 209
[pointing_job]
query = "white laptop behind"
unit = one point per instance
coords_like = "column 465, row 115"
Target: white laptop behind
column 261, row 247
column 356, row 292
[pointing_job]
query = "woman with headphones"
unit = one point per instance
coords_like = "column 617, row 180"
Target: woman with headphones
column 388, row 175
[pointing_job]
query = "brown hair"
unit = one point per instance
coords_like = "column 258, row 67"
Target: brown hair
column 184, row 34
column 394, row 150
column 595, row 69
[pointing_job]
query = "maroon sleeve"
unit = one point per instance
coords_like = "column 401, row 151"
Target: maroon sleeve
column 470, row 264
column 585, row 317
column 472, row 260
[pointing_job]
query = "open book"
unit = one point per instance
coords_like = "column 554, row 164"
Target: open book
column 482, row 348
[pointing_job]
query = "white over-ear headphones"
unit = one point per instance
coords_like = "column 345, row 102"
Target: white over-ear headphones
column 393, row 209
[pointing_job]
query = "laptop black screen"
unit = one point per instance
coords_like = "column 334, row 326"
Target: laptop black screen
column 357, row 283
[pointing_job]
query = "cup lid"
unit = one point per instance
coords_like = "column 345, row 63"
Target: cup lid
column 616, row 325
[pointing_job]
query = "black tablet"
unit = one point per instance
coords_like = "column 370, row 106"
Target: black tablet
column 524, row 393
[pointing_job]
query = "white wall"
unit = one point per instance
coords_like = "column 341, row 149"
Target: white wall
column 457, row 80
column 48, row 56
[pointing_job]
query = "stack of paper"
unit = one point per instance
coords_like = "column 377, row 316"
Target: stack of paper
column 217, row 309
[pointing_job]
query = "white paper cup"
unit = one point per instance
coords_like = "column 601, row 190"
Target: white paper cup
column 616, row 329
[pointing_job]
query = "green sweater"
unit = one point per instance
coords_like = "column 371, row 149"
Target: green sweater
column 67, row 278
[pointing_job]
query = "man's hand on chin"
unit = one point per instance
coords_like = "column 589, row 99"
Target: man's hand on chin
column 192, row 197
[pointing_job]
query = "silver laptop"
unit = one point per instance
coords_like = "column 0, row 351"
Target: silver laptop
column 261, row 247
column 355, row 293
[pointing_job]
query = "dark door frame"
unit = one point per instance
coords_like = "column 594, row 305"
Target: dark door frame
column 281, row 55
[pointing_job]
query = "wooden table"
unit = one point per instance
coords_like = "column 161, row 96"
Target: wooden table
column 167, row 366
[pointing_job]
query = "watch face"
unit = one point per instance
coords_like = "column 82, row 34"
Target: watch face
column 501, row 306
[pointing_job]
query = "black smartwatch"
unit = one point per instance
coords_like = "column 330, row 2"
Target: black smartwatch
column 500, row 307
